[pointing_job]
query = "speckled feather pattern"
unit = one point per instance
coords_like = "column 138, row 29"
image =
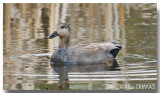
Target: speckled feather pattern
column 92, row 53
column 83, row 53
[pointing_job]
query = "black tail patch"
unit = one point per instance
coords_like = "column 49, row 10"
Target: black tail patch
column 114, row 52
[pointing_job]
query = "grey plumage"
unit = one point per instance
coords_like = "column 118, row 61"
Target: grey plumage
column 84, row 53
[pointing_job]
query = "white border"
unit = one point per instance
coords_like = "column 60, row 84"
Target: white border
column 69, row 1
column 158, row 46
column 80, row 1
column 1, row 47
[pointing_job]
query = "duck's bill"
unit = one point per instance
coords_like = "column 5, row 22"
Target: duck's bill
column 53, row 35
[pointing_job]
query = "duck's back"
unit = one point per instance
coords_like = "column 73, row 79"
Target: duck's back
column 94, row 52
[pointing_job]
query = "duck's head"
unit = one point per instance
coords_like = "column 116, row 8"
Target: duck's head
column 62, row 30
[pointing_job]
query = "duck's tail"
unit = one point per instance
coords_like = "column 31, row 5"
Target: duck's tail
column 115, row 51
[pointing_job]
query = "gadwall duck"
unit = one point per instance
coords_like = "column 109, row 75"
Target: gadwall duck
column 83, row 53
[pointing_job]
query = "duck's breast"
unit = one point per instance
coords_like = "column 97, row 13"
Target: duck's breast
column 60, row 56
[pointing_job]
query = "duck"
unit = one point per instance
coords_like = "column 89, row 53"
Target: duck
column 83, row 53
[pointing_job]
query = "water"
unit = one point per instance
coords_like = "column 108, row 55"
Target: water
column 27, row 53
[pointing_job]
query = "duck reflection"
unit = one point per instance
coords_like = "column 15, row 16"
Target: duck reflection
column 63, row 71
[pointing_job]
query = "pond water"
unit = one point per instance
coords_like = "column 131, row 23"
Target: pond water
column 26, row 52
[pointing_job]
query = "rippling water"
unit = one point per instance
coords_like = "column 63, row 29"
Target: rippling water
column 27, row 52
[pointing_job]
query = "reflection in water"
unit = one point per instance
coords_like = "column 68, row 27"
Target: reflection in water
column 63, row 71
column 27, row 52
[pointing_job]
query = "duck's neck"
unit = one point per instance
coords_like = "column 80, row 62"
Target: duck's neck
column 64, row 42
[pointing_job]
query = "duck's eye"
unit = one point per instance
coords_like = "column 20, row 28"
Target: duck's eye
column 62, row 27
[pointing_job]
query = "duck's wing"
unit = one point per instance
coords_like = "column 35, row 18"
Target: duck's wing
column 93, row 52
column 93, row 47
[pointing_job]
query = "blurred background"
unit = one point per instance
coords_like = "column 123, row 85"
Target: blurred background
column 27, row 52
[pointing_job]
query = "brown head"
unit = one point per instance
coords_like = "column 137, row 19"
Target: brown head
column 63, row 31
